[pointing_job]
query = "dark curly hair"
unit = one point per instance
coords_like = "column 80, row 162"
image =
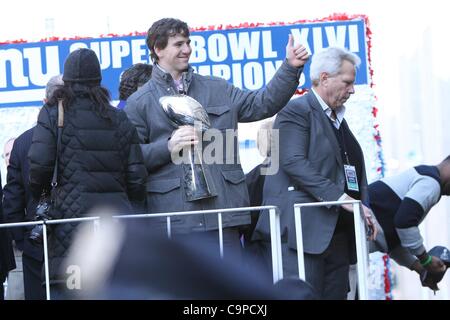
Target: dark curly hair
column 132, row 78
column 160, row 31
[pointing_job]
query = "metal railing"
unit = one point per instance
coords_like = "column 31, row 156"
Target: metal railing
column 360, row 235
column 274, row 220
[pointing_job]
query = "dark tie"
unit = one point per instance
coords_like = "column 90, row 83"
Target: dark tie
column 333, row 115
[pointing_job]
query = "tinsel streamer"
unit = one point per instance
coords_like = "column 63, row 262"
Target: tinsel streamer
column 387, row 277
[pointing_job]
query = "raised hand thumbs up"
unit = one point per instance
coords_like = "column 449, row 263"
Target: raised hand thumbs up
column 297, row 55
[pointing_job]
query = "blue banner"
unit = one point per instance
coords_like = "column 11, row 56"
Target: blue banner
column 246, row 57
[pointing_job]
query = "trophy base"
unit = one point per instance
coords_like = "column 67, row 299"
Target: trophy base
column 196, row 186
column 199, row 197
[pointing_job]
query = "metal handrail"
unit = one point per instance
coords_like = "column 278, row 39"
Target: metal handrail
column 274, row 220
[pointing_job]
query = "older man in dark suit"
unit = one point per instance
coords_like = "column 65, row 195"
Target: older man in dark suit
column 319, row 156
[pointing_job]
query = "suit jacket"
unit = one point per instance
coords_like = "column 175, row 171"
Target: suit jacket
column 310, row 160
column 19, row 204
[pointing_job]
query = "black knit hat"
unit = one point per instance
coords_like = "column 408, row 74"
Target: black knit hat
column 82, row 65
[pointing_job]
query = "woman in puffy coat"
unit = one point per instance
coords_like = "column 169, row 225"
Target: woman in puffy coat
column 100, row 162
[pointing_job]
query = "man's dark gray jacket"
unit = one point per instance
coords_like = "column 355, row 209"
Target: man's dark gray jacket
column 226, row 105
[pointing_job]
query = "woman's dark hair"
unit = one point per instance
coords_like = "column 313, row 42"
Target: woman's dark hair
column 91, row 89
column 160, row 31
column 132, row 78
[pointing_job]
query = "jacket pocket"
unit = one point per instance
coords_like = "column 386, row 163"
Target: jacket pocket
column 236, row 193
column 163, row 186
column 165, row 196
column 220, row 117
column 234, row 176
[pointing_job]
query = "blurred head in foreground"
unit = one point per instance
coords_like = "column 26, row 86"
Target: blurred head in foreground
column 123, row 260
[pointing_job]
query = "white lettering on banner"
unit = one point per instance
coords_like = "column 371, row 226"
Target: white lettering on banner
column 246, row 57
column 237, row 74
column 317, row 39
column 137, row 51
column 335, row 36
column 267, row 45
column 222, row 71
column 14, row 57
column 270, row 69
column 204, row 70
column 198, row 54
column 301, row 37
column 217, row 47
column 353, row 38
column 115, row 50
column 102, row 49
column 119, row 50
column 103, row 55
column 243, row 44
column 37, row 77
column 336, row 39
column 253, row 75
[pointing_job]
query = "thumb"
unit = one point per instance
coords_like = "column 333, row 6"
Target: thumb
column 290, row 41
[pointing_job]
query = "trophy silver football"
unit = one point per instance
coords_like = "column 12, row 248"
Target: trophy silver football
column 184, row 110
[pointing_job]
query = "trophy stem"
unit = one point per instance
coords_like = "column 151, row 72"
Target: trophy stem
column 192, row 153
column 195, row 182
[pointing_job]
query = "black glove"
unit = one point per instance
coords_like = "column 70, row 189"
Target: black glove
column 430, row 279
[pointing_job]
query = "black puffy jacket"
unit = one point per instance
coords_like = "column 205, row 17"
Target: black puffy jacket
column 100, row 165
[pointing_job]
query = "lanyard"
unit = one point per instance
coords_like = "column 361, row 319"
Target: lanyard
column 341, row 132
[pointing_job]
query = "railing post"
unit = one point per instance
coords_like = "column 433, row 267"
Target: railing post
column 361, row 251
column 299, row 239
column 360, row 239
column 219, row 222
column 96, row 223
column 47, row 277
column 169, row 228
column 275, row 241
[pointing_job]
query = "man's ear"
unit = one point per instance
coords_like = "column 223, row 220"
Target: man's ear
column 158, row 52
column 323, row 78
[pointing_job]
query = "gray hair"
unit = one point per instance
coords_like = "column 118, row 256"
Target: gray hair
column 330, row 61
column 52, row 85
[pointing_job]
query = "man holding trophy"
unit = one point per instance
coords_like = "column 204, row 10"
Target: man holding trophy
column 173, row 112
